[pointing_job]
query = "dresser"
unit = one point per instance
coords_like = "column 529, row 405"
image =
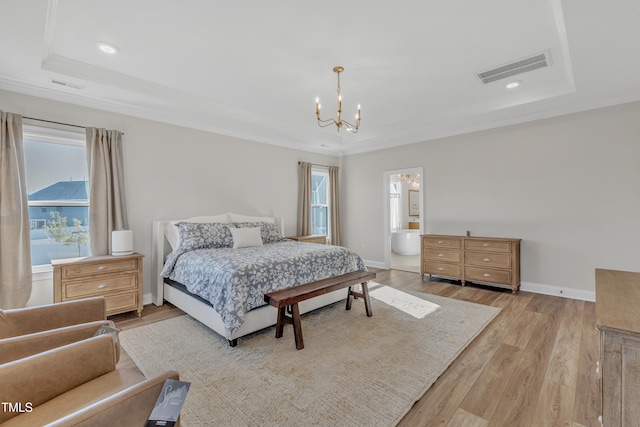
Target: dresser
column 117, row 278
column 489, row 260
column 618, row 322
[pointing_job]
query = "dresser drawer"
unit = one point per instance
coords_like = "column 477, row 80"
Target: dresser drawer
column 487, row 245
column 444, row 255
column 100, row 286
column 119, row 303
column 442, row 242
column 487, row 275
column 78, row 270
column 488, row 259
column 442, row 269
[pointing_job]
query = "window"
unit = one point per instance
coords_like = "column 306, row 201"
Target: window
column 320, row 201
column 58, row 193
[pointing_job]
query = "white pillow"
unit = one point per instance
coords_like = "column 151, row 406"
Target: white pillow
column 249, row 218
column 246, row 237
column 171, row 231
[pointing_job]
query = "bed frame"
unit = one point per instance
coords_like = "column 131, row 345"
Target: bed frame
column 256, row 319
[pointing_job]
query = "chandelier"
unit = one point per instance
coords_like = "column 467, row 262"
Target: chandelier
column 338, row 121
column 410, row 179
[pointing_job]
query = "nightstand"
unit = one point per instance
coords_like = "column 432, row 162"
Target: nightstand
column 311, row 238
column 117, row 278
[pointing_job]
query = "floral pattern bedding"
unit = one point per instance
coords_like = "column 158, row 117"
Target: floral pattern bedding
column 234, row 281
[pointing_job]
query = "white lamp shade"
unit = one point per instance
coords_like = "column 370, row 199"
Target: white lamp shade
column 122, row 242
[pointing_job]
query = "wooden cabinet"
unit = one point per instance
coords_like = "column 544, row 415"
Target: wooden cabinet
column 117, row 278
column 311, row 238
column 490, row 260
column 617, row 320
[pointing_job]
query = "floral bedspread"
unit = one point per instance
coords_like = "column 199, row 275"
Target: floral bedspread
column 234, row 281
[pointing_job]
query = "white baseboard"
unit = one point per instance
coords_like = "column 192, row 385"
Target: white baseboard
column 375, row 264
column 558, row 291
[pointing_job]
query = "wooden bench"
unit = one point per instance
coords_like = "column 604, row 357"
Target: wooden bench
column 290, row 297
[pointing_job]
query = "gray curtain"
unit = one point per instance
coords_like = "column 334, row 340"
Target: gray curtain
column 334, row 204
column 107, row 207
column 15, row 244
column 304, row 199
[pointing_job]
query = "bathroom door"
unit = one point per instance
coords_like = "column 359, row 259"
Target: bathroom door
column 410, row 174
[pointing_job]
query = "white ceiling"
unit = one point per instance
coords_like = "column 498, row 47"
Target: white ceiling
column 253, row 68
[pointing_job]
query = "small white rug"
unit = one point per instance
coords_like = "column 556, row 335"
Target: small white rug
column 353, row 371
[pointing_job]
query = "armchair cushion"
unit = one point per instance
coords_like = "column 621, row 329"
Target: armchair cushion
column 44, row 376
column 22, row 346
column 22, row 321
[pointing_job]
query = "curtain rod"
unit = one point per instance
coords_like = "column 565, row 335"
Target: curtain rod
column 57, row 123
column 51, row 121
column 324, row 166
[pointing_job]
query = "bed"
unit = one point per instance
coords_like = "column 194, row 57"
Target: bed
column 217, row 269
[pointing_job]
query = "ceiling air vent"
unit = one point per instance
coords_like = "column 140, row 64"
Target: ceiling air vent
column 66, row 84
column 520, row 66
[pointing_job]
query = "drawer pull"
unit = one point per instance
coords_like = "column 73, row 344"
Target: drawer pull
column 486, row 245
column 486, row 259
column 102, row 267
column 440, row 268
column 102, row 286
column 440, row 254
column 486, row 275
column 440, row 242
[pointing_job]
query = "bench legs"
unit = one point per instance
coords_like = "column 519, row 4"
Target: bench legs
column 364, row 295
column 294, row 319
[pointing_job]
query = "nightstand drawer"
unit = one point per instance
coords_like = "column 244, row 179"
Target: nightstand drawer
column 89, row 269
column 312, row 238
column 100, row 286
column 488, row 259
column 119, row 303
column 487, row 275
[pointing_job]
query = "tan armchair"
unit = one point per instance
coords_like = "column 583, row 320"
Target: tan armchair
column 77, row 384
column 23, row 321
column 28, row 331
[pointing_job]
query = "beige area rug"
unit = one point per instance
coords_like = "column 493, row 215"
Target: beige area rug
column 354, row 370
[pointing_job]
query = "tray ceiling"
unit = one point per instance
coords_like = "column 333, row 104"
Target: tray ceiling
column 253, row 69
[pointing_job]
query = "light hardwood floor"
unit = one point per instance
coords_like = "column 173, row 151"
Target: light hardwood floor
column 534, row 365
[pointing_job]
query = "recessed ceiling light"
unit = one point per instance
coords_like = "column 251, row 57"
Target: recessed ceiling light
column 108, row 48
column 514, row 84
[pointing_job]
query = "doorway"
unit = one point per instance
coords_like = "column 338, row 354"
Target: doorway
column 403, row 218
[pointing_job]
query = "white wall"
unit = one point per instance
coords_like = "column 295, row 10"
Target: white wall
column 173, row 172
column 567, row 186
